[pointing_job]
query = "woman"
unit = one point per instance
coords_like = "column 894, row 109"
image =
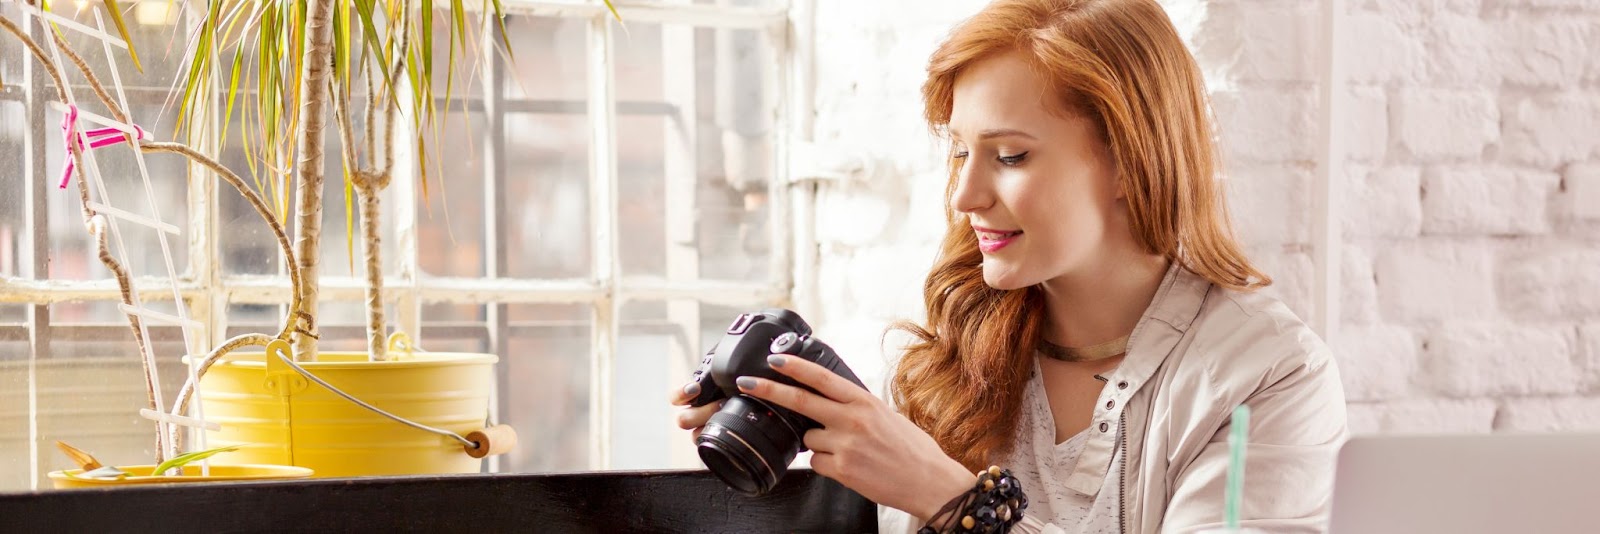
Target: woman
column 1091, row 323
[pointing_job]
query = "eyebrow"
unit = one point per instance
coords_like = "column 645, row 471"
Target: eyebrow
column 1000, row 132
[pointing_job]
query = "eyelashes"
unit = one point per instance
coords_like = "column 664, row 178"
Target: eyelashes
column 1009, row 161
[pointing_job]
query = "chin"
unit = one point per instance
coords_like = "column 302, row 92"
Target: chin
column 1003, row 278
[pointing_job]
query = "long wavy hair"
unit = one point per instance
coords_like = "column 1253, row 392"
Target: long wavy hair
column 1122, row 65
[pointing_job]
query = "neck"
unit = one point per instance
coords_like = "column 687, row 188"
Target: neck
column 1103, row 302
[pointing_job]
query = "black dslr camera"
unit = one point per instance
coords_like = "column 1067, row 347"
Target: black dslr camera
column 750, row 442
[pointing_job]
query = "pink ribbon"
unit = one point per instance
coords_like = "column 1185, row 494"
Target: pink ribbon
column 98, row 137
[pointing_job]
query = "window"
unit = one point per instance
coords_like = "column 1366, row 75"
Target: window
column 603, row 204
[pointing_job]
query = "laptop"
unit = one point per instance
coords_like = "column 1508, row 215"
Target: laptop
column 1468, row 484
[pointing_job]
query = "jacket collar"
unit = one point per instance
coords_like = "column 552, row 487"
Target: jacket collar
column 1173, row 309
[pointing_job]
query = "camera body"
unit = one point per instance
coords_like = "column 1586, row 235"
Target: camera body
column 750, row 442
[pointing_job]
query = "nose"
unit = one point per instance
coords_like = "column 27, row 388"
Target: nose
column 972, row 189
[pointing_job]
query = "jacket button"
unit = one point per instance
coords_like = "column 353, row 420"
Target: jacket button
column 1111, row 404
column 1122, row 385
column 1104, row 426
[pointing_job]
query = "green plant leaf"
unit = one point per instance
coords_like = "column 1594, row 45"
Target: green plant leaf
column 613, row 9
column 116, row 18
column 500, row 20
column 185, row 458
column 370, row 37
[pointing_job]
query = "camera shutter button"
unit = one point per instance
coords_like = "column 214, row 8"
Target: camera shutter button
column 783, row 342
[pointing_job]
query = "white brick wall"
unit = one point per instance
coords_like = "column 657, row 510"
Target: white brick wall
column 1471, row 273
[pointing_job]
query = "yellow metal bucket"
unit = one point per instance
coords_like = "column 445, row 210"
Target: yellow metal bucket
column 140, row 475
column 276, row 416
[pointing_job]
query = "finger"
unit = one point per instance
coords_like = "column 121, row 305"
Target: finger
column 822, row 441
column 825, row 464
column 818, row 377
column 681, row 395
column 690, row 418
column 809, row 404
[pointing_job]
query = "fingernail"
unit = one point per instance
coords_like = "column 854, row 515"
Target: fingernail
column 776, row 360
column 746, row 383
column 692, row 389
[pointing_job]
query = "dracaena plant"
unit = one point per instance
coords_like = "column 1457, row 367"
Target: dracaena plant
column 309, row 56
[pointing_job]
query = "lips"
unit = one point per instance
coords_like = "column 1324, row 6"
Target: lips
column 992, row 240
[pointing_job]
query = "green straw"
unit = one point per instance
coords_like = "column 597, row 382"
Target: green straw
column 1236, row 446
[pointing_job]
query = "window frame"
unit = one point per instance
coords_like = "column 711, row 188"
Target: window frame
column 209, row 291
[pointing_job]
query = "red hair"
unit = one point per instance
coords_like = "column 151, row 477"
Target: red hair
column 1121, row 64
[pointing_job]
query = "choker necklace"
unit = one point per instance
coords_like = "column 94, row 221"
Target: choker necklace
column 1085, row 354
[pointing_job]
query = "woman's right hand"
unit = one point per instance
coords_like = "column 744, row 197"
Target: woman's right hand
column 692, row 419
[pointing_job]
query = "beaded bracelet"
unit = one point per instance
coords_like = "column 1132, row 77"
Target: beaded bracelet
column 994, row 504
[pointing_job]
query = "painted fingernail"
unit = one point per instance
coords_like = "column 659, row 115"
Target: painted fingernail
column 776, row 360
column 746, row 383
column 692, row 389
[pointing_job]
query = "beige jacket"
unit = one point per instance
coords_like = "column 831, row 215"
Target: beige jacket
column 1198, row 352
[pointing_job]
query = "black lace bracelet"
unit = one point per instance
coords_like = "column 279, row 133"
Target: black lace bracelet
column 994, row 504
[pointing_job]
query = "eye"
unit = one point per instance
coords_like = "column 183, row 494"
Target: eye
column 959, row 154
column 1012, row 161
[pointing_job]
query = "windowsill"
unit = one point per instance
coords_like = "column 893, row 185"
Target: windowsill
column 616, row 501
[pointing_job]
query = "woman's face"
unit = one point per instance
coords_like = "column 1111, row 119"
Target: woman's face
column 1038, row 189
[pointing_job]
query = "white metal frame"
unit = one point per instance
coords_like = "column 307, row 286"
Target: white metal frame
column 209, row 291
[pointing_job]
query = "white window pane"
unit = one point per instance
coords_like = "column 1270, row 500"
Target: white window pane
column 548, row 234
column 13, row 225
column 695, row 140
column 450, row 217
column 91, row 386
column 661, row 345
column 548, row 361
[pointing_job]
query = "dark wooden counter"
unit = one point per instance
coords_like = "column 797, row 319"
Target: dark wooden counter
column 657, row 501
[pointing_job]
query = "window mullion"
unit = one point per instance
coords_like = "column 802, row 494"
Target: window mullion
column 496, row 262
column 603, row 213
column 37, row 256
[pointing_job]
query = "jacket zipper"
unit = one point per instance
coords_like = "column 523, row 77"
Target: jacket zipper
column 1122, row 472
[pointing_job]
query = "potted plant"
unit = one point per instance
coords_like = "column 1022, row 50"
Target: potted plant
column 390, row 410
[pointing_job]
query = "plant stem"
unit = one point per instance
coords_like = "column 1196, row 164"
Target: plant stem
column 316, row 66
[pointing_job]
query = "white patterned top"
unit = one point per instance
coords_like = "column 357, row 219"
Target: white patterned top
column 1042, row 466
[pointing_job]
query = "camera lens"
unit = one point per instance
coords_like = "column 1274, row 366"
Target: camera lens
column 748, row 444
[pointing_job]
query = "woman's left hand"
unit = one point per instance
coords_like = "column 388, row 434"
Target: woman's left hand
column 864, row 444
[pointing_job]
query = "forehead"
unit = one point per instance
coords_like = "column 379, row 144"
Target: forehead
column 1000, row 91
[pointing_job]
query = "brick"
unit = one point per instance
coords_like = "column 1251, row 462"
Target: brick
column 1463, row 51
column 1271, row 125
column 1270, row 204
column 1358, row 304
column 1544, row 5
column 1384, row 203
column 1544, row 51
column 1583, row 191
column 1424, row 416
column 1386, row 52
column 1434, row 279
column 1291, row 272
column 1376, row 362
column 1589, row 356
column 1565, row 414
column 889, row 277
column 853, row 217
column 1274, row 42
column 1551, row 130
column 1439, row 124
column 1488, row 359
column 1418, row 12
column 1475, row 200
column 1559, row 284
column 1366, row 124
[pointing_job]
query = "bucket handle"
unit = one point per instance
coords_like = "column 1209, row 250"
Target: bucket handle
column 496, row 439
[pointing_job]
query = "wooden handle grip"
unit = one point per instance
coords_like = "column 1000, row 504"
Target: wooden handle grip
column 497, row 439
